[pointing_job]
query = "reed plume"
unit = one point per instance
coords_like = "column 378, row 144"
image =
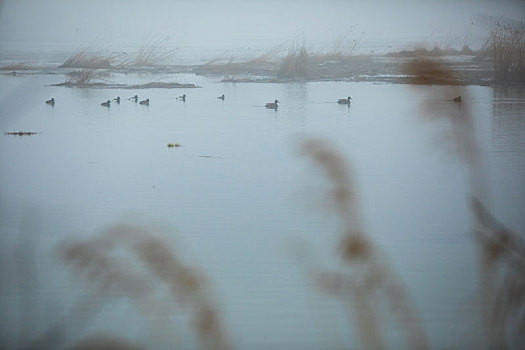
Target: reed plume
column 501, row 252
column 366, row 277
column 128, row 261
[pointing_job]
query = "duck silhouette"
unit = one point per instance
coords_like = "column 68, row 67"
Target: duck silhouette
column 145, row 102
column 117, row 100
column 134, row 98
column 106, row 104
column 221, row 97
column 272, row 105
column 457, row 99
column 344, row 101
column 51, row 101
column 183, row 98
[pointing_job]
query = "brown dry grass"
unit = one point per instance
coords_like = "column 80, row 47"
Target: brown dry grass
column 153, row 52
column 295, row 64
column 82, row 77
column 88, row 58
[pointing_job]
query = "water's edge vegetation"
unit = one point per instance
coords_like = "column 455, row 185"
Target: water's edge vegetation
column 499, row 61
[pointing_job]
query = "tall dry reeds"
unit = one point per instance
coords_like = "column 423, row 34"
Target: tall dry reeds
column 88, row 58
column 507, row 45
column 501, row 252
column 81, row 77
column 153, row 52
column 366, row 280
column 295, row 64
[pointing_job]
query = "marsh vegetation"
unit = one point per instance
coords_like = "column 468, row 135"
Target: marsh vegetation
column 506, row 45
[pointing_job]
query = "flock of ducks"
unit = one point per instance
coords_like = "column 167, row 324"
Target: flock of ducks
column 117, row 100
column 270, row 105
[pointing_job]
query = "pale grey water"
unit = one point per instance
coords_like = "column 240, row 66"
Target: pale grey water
column 237, row 191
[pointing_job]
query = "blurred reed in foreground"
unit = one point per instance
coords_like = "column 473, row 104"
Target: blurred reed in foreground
column 128, row 261
column 501, row 252
column 366, row 279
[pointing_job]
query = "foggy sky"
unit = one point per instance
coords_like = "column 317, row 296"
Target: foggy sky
column 237, row 23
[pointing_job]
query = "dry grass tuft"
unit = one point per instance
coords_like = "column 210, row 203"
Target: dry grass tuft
column 153, row 52
column 295, row 64
column 88, row 58
column 82, row 77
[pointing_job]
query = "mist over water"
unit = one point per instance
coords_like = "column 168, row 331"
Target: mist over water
column 204, row 29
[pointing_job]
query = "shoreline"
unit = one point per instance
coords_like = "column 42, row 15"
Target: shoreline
column 467, row 70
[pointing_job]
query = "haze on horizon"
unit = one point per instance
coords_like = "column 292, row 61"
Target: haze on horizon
column 236, row 23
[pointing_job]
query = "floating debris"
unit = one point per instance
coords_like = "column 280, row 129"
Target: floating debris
column 206, row 156
column 20, row 133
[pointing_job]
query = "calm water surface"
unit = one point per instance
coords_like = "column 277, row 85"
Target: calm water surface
column 237, row 192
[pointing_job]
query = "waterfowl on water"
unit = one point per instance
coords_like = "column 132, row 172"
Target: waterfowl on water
column 106, row 104
column 51, row 101
column 344, row 101
column 183, row 98
column 134, row 98
column 457, row 99
column 145, row 102
column 272, row 105
column 117, row 99
column 221, row 97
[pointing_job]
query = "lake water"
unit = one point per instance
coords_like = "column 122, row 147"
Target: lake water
column 236, row 194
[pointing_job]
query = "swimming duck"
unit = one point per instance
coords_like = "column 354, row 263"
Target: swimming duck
column 183, row 98
column 145, row 102
column 221, row 97
column 272, row 105
column 51, row 101
column 134, row 98
column 457, row 99
column 106, row 104
column 344, row 101
column 117, row 99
